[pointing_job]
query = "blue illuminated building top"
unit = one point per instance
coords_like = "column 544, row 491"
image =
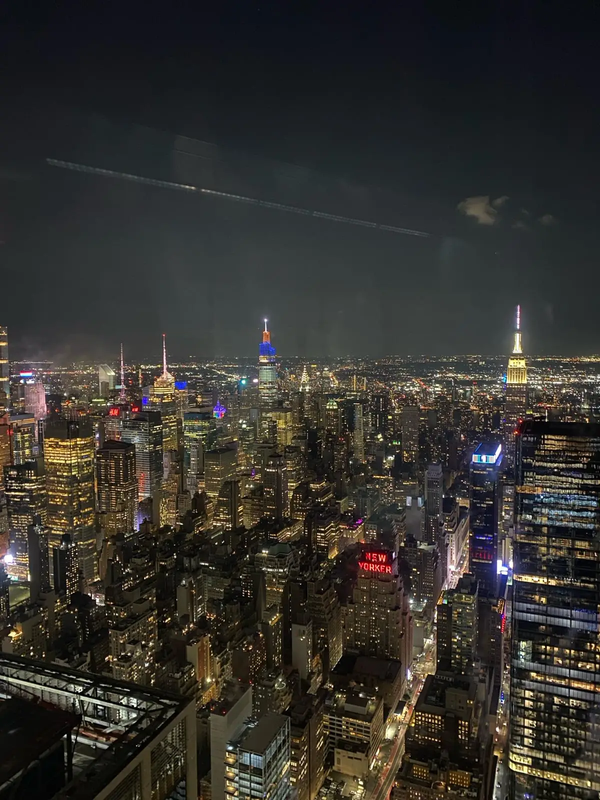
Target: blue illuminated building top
column 181, row 386
column 266, row 349
column 219, row 411
column 487, row 453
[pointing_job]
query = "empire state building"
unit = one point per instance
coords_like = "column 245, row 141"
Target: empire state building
column 515, row 404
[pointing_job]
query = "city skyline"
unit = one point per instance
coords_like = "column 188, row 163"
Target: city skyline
column 246, row 354
column 300, row 401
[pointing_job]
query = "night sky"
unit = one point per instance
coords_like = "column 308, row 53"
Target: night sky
column 481, row 127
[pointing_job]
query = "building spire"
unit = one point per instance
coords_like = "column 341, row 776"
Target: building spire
column 266, row 332
column 122, row 375
column 518, row 345
column 165, row 355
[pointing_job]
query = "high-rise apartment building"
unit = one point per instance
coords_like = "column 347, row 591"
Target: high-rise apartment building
column 410, row 433
column 515, row 402
column 39, row 560
column 117, row 488
column 4, row 371
column 144, row 431
column 308, row 745
column 220, row 465
column 257, row 764
column 377, row 619
column 554, row 745
column 380, row 412
column 27, row 501
column 456, row 627
column 326, row 613
column 69, row 460
column 485, row 496
column 227, row 720
column 275, row 482
column 353, row 723
column 229, row 510
column 66, row 567
column 434, row 493
column 358, row 434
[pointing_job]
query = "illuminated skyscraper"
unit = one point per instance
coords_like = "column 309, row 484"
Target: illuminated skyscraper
column 358, row 434
column 275, row 481
column 4, row 371
column 35, row 399
column 220, row 465
column 144, row 430
column 65, row 567
column 122, row 390
column 554, row 741
column 197, row 424
column 485, row 493
column 229, row 510
column 456, row 627
column 69, row 459
column 267, row 372
column 434, row 492
column 410, row 434
column 27, row 501
column 257, row 764
column 23, row 440
column 378, row 620
column 515, row 403
column 162, row 398
column 117, row 488
column 106, row 380
column 380, row 412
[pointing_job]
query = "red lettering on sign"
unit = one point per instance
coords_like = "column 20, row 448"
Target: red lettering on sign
column 368, row 566
column 114, row 412
column 377, row 557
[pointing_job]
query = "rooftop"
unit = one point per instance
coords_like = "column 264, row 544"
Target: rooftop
column 143, row 714
column 381, row 668
column 259, row 737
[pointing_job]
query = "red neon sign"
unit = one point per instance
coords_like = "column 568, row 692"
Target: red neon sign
column 376, row 561
column 114, row 412
column 368, row 566
column 136, row 409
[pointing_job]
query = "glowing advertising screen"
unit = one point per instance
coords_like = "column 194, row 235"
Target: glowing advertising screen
column 379, row 561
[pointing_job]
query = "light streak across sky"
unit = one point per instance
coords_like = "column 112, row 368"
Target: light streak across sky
column 184, row 187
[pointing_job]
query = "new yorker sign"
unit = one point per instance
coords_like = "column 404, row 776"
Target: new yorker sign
column 376, row 561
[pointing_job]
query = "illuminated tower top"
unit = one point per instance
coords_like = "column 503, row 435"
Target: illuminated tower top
column 518, row 345
column 122, row 392
column 165, row 383
column 166, row 380
column 266, row 350
column 517, row 366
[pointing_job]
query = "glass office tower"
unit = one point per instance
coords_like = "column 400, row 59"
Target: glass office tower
column 554, row 743
column 485, row 494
